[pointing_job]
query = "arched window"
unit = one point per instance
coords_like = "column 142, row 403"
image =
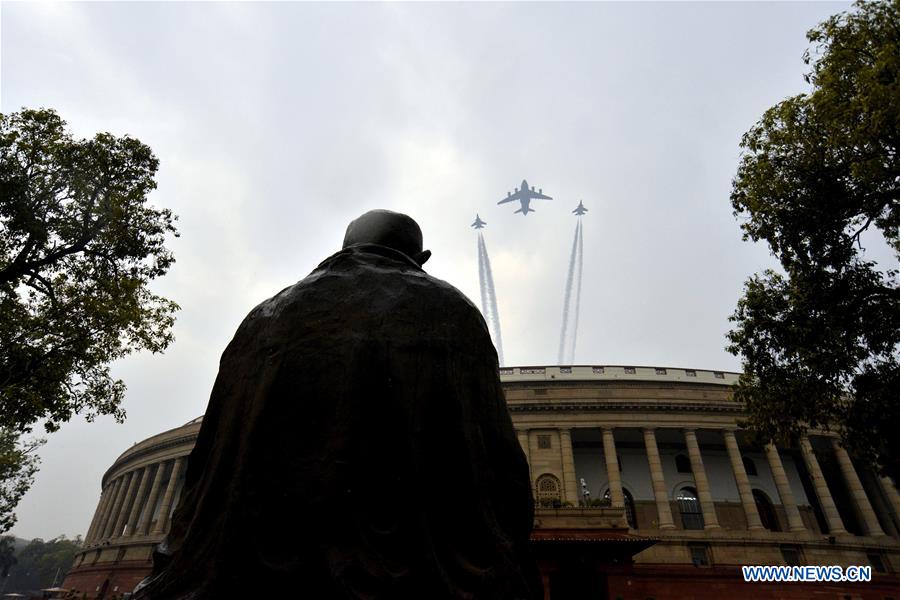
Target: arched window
column 750, row 466
column 630, row 512
column 766, row 511
column 689, row 507
column 682, row 463
column 548, row 491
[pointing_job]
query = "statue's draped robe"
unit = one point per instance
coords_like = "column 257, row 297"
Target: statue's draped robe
column 356, row 445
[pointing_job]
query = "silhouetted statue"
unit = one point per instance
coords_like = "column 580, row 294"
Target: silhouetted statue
column 356, row 445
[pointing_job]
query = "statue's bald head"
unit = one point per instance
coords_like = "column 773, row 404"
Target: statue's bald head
column 387, row 228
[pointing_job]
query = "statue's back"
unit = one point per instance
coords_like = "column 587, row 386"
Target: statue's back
column 356, row 445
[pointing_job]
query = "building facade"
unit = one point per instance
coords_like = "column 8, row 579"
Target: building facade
column 646, row 487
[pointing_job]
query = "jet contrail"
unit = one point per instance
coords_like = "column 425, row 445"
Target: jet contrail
column 567, row 337
column 485, row 310
column 578, row 278
column 567, row 299
column 489, row 296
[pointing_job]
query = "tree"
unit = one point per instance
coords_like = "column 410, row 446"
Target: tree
column 79, row 245
column 7, row 555
column 41, row 564
column 820, row 341
column 18, row 464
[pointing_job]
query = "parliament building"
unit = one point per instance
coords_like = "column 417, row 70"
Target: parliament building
column 645, row 487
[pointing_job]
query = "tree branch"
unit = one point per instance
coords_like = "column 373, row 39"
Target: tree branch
column 855, row 236
column 14, row 271
column 47, row 288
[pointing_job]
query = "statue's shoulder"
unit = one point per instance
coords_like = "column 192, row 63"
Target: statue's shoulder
column 449, row 291
column 370, row 274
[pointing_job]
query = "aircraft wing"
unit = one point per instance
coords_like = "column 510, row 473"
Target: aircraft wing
column 540, row 196
column 510, row 198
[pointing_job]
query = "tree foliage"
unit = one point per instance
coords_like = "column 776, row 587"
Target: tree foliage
column 18, row 464
column 7, row 555
column 39, row 564
column 820, row 340
column 79, row 245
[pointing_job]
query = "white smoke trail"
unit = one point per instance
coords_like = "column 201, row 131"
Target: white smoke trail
column 492, row 299
column 563, row 334
column 481, row 284
column 489, row 296
column 580, row 236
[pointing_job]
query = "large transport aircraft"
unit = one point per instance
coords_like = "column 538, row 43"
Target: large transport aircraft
column 525, row 195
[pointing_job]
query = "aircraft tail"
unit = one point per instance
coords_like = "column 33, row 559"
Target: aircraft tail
column 525, row 211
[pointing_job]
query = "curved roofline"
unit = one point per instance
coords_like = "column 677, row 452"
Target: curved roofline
column 616, row 372
column 150, row 444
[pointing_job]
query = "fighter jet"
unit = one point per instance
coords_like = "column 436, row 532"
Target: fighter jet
column 478, row 224
column 580, row 210
column 525, row 196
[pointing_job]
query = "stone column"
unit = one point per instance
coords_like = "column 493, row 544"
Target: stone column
column 166, row 507
column 893, row 497
column 663, row 508
column 616, row 496
column 832, row 517
column 127, row 500
column 117, row 505
column 710, row 520
column 795, row 522
column 144, row 525
column 522, row 434
column 131, row 523
column 570, row 485
column 113, row 490
column 107, row 510
column 743, row 483
column 98, row 514
column 863, row 506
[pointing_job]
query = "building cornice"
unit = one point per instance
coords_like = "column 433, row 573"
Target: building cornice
column 617, row 373
column 135, row 455
column 638, row 405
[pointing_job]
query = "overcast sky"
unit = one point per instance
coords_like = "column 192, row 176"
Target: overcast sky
column 276, row 124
